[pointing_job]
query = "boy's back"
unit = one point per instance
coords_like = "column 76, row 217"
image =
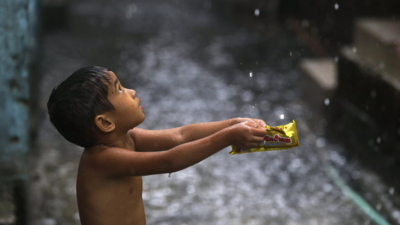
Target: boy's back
column 104, row 199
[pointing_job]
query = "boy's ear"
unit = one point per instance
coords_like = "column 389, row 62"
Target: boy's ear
column 104, row 123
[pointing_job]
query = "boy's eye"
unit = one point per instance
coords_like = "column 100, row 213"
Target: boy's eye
column 120, row 90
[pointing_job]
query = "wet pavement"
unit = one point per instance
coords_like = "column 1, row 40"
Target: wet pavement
column 190, row 64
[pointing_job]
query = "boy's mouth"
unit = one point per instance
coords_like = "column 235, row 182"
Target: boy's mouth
column 140, row 107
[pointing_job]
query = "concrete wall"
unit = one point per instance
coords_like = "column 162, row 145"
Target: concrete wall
column 18, row 41
column 18, row 57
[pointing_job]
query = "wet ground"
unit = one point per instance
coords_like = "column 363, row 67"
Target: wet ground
column 189, row 63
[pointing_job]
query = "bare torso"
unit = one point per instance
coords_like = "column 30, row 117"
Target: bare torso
column 106, row 200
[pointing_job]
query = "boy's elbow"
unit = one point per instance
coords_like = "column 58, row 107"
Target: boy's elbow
column 180, row 137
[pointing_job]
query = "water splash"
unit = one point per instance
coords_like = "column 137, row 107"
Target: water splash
column 327, row 101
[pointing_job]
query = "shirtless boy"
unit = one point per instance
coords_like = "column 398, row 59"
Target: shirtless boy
column 92, row 109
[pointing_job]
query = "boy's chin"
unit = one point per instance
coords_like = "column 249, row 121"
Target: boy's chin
column 140, row 121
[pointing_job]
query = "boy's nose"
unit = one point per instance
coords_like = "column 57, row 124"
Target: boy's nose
column 133, row 93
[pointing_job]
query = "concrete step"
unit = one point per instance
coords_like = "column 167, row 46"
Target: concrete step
column 322, row 70
column 360, row 100
column 373, row 90
column 318, row 82
column 350, row 125
column 377, row 43
column 372, row 95
column 369, row 86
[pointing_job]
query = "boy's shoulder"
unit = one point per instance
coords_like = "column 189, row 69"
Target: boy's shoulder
column 108, row 160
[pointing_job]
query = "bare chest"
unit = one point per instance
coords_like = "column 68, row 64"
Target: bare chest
column 117, row 200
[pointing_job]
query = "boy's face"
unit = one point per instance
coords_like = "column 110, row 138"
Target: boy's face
column 128, row 111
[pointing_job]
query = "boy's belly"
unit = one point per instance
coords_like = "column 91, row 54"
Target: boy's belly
column 111, row 201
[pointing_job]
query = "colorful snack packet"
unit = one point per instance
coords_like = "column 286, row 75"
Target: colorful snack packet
column 277, row 138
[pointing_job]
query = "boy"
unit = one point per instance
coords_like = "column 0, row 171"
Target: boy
column 93, row 110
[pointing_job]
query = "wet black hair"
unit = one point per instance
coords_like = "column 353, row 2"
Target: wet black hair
column 75, row 103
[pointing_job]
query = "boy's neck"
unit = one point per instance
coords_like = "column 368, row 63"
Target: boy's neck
column 116, row 139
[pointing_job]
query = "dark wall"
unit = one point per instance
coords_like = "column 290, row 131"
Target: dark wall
column 334, row 26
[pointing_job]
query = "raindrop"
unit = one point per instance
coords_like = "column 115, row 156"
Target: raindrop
column 257, row 12
column 396, row 215
column 327, row 187
column 378, row 207
column 381, row 65
column 336, row 6
column 354, row 49
column 251, row 74
column 327, row 101
column 336, row 59
column 391, row 191
column 378, row 140
column 281, row 116
column 290, row 53
column 373, row 93
column 130, row 11
column 320, row 143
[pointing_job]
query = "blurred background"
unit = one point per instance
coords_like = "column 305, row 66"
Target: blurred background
column 331, row 65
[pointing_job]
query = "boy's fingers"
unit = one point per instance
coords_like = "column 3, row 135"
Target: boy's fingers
column 263, row 123
column 251, row 124
column 258, row 139
column 260, row 122
column 259, row 131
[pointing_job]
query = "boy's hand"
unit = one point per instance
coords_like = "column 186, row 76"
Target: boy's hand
column 250, row 120
column 247, row 134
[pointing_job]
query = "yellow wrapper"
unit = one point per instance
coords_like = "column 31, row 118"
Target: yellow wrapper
column 277, row 138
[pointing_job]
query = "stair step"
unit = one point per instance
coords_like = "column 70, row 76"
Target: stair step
column 377, row 42
column 322, row 71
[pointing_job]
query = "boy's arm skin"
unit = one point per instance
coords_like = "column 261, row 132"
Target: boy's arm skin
column 122, row 162
column 158, row 140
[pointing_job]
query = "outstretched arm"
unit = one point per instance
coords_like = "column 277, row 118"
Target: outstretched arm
column 122, row 162
column 158, row 140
